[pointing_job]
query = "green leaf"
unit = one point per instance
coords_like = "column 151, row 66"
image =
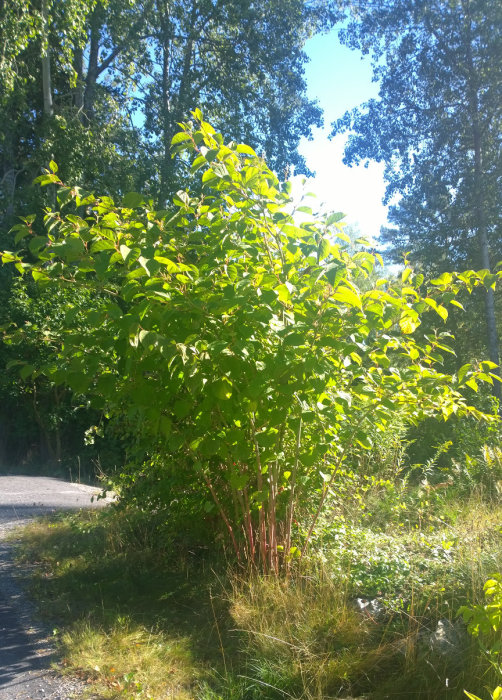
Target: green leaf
column 488, row 364
column 170, row 266
column 78, row 381
column 73, row 248
column 343, row 236
column 37, row 243
column 182, row 408
column 347, row 296
column 144, row 264
column 471, row 383
column 47, row 179
column 180, row 137
column 442, row 312
column 165, row 425
column 40, row 276
column 222, row 389
column 102, row 244
column 283, row 293
column 26, row 371
column 147, row 338
column 323, row 249
column 408, row 324
column 294, row 339
column 243, row 148
column 125, row 251
column 132, row 200
column 107, row 384
column 308, row 459
column 364, row 440
column 462, row 372
column 22, row 232
column 335, row 218
column 335, row 272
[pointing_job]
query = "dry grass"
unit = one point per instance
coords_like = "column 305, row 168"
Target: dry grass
column 129, row 659
column 130, row 624
column 304, row 633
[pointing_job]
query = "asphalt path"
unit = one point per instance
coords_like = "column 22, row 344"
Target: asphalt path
column 26, row 653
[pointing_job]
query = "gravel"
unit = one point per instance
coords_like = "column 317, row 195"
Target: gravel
column 27, row 659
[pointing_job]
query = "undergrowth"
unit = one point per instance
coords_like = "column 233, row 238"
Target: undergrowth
column 144, row 607
column 137, row 620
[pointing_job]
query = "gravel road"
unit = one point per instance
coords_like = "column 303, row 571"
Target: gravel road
column 26, row 654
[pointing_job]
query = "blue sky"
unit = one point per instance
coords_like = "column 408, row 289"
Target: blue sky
column 341, row 79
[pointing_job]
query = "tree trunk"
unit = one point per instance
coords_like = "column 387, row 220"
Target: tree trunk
column 166, row 106
column 78, row 90
column 479, row 206
column 46, row 64
column 95, row 67
column 491, row 322
column 9, row 174
column 44, row 433
column 92, row 66
column 171, row 116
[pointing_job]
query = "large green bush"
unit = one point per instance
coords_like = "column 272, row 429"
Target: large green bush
column 254, row 353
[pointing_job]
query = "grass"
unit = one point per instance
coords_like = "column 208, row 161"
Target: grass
column 137, row 619
column 127, row 619
column 125, row 658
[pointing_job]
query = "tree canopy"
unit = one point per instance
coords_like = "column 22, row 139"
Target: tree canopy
column 100, row 86
column 436, row 125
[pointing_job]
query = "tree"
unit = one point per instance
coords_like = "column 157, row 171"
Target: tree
column 254, row 353
column 49, row 422
column 41, row 117
column 242, row 63
column 436, row 125
column 41, row 105
column 100, row 86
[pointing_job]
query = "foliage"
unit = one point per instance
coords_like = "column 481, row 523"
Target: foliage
column 436, row 126
column 242, row 63
column 436, row 64
column 237, row 342
column 485, row 622
column 50, row 422
column 99, row 86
